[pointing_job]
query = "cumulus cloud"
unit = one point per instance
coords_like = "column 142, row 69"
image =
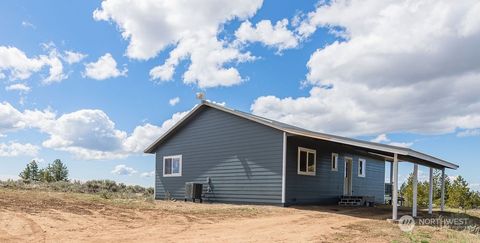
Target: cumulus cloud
column 17, row 63
column 148, row 174
column 191, row 27
column 105, row 67
column 381, row 138
column 174, row 101
column 123, row 170
column 12, row 120
column 399, row 66
column 14, row 149
column 19, row 66
column 18, row 87
column 87, row 134
column 72, row 57
column 277, row 36
column 56, row 71
column 145, row 135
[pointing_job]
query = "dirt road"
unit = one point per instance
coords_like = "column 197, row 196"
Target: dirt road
column 54, row 217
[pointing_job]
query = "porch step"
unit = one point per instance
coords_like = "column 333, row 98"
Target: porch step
column 349, row 203
column 354, row 200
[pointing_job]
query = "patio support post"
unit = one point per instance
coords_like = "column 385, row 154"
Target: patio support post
column 415, row 182
column 395, row 187
column 391, row 173
column 442, row 202
column 430, row 192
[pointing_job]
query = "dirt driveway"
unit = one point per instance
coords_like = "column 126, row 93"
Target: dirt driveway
column 54, row 217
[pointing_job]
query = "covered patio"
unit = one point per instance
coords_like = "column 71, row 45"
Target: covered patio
column 417, row 159
column 393, row 155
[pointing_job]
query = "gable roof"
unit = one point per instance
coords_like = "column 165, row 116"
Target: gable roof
column 378, row 149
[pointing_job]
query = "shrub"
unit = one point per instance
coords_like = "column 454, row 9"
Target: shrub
column 104, row 188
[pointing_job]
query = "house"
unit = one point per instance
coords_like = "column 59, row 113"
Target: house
column 244, row 158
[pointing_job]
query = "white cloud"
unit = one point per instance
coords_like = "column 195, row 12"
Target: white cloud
column 148, row 174
column 55, row 64
column 123, row 170
column 87, row 134
column 403, row 66
column 191, row 27
column 56, row 72
column 381, row 138
column 27, row 24
column 18, row 87
column 11, row 119
column 144, row 136
column 18, row 64
column 469, row 133
column 20, row 67
column 14, row 149
column 72, row 57
column 174, row 101
column 105, row 67
column 277, row 35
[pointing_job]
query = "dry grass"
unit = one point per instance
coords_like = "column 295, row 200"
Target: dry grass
column 380, row 231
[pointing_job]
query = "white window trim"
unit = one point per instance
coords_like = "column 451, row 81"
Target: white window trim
column 364, row 169
column 180, row 166
column 336, row 161
column 314, row 152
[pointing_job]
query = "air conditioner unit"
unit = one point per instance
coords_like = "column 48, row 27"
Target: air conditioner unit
column 193, row 191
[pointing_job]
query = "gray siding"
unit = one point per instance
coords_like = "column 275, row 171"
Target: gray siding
column 327, row 185
column 242, row 158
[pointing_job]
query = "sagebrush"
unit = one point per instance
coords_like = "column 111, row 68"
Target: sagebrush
column 104, row 188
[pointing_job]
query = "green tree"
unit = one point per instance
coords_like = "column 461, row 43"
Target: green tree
column 406, row 190
column 475, row 199
column 30, row 173
column 437, row 186
column 460, row 195
column 58, row 171
column 45, row 175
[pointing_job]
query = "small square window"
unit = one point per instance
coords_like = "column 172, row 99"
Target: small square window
column 306, row 161
column 334, row 162
column 172, row 165
column 362, row 165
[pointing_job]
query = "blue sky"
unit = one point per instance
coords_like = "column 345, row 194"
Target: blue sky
column 90, row 82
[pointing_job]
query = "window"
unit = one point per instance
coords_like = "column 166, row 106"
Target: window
column 362, row 164
column 172, row 165
column 306, row 161
column 334, row 162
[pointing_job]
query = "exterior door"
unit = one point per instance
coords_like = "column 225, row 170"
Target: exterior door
column 347, row 179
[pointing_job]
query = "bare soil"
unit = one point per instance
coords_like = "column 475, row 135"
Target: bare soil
column 32, row 216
